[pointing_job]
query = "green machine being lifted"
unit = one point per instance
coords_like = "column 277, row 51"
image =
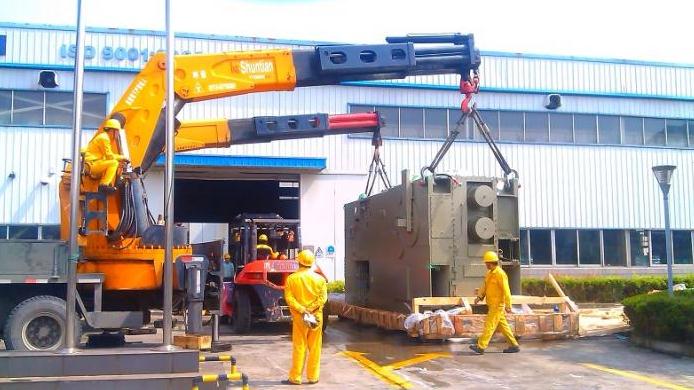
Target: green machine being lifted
column 426, row 237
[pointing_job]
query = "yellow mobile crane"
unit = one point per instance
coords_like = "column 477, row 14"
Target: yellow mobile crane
column 121, row 245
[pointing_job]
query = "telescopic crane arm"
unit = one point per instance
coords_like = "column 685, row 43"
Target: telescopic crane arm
column 200, row 77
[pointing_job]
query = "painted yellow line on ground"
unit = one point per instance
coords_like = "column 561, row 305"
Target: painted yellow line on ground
column 639, row 377
column 420, row 358
column 383, row 373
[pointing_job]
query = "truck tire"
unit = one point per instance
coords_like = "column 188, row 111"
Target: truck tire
column 241, row 317
column 38, row 324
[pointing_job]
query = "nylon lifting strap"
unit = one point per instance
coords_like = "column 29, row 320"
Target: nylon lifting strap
column 484, row 130
column 377, row 168
column 444, row 148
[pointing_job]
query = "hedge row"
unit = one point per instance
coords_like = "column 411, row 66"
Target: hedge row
column 603, row 289
column 660, row 317
column 336, row 286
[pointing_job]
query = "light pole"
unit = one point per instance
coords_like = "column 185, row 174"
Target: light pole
column 663, row 173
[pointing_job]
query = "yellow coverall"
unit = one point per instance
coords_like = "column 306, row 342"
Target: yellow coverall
column 498, row 294
column 306, row 291
column 266, row 250
column 100, row 159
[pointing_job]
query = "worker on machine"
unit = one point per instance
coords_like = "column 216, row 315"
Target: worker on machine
column 306, row 292
column 496, row 289
column 100, row 162
column 264, row 250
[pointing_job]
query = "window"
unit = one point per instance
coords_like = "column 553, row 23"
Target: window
column 608, row 129
column 541, row 247
column 682, row 247
column 638, row 241
column 491, row 118
column 585, row 128
column 23, row 232
column 511, row 126
column 435, row 123
column 658, row 247
column 566, row 244
column 676, row 133
column 49, row 108
column 589, row 247
column 93, row 109
column 28, row 108
column 59, row 108
column 562, row 128
column 3, row 232
column 525, row 253
column 354, row 108
column 536, row 127
column 614, row 248
column 654, row 131
column 50, row 232
column 412, row 122
column 633, row 130
column 466, row 128
column 391, row 118
column 5, row 107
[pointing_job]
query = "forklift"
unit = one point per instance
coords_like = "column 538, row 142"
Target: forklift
column 253, row 279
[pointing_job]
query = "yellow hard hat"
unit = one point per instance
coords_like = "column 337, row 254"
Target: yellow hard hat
column 262, row 238
column 490, row 257
column 112, row 124
column 306, row 258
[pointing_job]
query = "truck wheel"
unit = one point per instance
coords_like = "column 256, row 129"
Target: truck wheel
column 38, row 324
column 241, row 318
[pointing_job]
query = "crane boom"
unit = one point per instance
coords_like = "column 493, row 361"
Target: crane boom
column 200, row 77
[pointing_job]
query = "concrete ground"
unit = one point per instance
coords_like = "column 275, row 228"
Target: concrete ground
column 364, row 357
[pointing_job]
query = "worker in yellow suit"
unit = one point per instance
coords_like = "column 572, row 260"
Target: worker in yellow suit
column 263, row 250
column 99, row 159
column 498, row 294
column 306, row 292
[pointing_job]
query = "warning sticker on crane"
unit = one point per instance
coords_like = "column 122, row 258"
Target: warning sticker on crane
column 319, row 252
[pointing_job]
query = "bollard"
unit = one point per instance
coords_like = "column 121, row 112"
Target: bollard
column 217, row 346
column 221, row 358
column 216, row 378
column 215, row 328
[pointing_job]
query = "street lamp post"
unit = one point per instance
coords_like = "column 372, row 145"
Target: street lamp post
column 663, row 174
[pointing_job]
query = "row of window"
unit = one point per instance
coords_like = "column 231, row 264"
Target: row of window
column 536, row 127
column 30, row 232
column 619, row 248
column 49, row 108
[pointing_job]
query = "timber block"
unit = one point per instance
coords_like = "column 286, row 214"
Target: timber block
column 193, row 341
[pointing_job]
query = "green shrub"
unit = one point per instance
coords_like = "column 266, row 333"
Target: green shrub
column 602, row 289
column 336, row 286
column 660, row 317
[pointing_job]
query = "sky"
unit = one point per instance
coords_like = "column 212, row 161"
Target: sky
column 660, row 30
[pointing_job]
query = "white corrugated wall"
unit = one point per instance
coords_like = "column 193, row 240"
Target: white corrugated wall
column 563, row 186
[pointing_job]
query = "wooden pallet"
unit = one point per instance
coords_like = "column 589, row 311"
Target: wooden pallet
column 539, row 318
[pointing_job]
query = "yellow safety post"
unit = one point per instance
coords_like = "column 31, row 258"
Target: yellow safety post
column 216, row 378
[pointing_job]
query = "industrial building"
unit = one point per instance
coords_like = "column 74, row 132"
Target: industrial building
column 589, row 202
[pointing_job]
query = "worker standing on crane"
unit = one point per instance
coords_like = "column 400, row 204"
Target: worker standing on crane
column 100, row 161
column 498, row 294
column 306, row 292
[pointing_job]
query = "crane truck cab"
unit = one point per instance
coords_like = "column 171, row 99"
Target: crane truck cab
column 256, row 292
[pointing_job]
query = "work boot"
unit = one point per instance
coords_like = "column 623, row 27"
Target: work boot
column 313, row 382
column 106, row 189
column 476, row 349
column 288, row 382
column 512, row 349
